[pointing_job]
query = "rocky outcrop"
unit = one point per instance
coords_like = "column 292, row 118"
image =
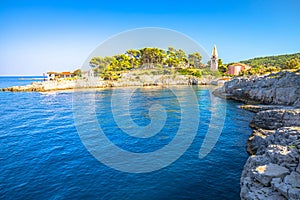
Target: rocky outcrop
column 273, row 119
column 62, row 84
column 257, row 140
column 273, row 170
column 259, row 107
column 282, row 88
column 142, row 80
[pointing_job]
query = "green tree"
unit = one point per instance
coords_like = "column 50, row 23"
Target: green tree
column 221, row 67
column 172, row 59
column 151, row 57
column 134, row 57
column 77, row 72
column 100, row 64
column 122, row 62
column 220, row 62
column 181, row 57
column 292, row 64
column 195, row 59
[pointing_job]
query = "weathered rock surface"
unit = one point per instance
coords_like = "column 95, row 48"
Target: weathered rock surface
column 273, row 171
column 273, row 119
column 57, row 85
column 282, row 88
column 257, row 140
column 94, row 82
column 260, row 107
column 265, row 173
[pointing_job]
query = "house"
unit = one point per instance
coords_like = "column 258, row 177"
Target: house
column 57, row 75
column 88, row 73
column 237, row 68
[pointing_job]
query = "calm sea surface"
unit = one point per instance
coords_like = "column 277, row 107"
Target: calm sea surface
column 42, row 156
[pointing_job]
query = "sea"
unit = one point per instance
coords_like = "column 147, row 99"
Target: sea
column 45, row 155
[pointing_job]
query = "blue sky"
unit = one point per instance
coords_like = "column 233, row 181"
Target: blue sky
column 38, row 36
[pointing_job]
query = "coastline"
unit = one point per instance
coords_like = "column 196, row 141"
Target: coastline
column 272, row 170
column 97, row 83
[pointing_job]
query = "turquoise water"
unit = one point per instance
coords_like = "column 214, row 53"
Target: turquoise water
column 8, row 81
column 42, row 156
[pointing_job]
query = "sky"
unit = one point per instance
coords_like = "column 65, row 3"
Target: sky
column 41, row 36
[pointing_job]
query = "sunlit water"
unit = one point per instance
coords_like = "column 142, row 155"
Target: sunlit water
column 42, row 156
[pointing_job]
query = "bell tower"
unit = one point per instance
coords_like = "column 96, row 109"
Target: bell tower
column 214, row 59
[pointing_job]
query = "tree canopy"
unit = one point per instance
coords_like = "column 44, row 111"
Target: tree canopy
column 279, row 61
column 271, row 64
column 292, row 64
column 110, row 67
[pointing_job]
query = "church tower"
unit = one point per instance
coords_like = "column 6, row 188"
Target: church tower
column 214, row 59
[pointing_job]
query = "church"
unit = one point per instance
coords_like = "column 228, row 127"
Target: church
column 214, row 59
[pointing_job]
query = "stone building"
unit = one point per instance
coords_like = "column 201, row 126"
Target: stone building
column 214, row 59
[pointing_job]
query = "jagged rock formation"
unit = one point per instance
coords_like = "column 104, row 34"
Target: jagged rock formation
column 273, row 119
column 273, row 169
column 282, row 88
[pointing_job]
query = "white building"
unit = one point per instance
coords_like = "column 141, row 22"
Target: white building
column 88, row 74
column 58, row 75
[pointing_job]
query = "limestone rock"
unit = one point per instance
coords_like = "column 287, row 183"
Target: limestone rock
column 265, row 173
column 257, row 141
column 127, row 79
column 260, row 107
column 289, row 187
column 273, row 171
column 273, row 119
column 282, row 88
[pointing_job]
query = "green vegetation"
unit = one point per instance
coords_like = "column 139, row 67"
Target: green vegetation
column 280, row 61
column 154, row 60
column 190, row 71
column 260, row 70
column 292, row 64
column 271, row 64
column 222, row 67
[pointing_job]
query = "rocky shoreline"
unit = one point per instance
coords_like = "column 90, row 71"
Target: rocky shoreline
column 282, row 88
column 273, row 170
column 143, row 80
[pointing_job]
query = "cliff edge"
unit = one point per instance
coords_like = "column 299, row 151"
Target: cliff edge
column 273, row 170
column 282, row 88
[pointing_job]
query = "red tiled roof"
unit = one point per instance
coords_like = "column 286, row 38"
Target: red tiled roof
column 66, row 73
